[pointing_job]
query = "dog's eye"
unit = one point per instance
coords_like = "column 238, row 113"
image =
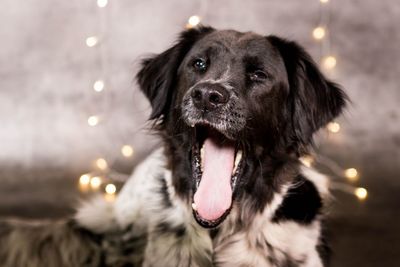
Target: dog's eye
column 200, row 65
column 257, row 75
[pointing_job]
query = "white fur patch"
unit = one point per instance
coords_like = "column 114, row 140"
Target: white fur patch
column 320, row 181
column 97, row 215
column 139, row 194
column 296, row 240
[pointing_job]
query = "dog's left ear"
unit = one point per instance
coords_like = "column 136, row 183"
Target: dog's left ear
column 157, row 75
column 313, row 100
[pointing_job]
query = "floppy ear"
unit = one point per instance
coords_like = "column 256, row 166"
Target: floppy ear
column 157, row 76
column 314, row 100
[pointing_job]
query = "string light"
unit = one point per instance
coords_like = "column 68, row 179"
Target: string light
column 93, row 120
column 84, row 182
column 351, row 174
column 92, row 41
column 84, row 179
column 329, row 62
column 127, row 151
column 319, row 33
column 102, row 3
column 98, row 86
column 110, row 189
column 95, row 182
column 333, row 127
column 102, row 164
column 361, row 193
column 193, row 21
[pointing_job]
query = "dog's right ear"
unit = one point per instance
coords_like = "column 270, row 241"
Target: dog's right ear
column 313, row 99
column 157, row 76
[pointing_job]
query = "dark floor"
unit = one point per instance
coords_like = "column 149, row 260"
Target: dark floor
column 361, row 234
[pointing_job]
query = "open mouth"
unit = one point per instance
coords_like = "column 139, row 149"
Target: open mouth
column 217, row 164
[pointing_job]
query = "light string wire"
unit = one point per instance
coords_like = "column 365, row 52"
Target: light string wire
column 322, row 34
column 103, row 177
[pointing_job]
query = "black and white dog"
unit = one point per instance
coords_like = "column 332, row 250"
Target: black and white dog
column 235, row 111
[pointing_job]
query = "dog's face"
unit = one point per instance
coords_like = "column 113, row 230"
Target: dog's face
column 226, row 102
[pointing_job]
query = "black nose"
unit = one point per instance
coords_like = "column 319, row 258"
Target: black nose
column 209, row 96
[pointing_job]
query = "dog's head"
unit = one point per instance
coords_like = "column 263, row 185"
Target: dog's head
column 226, row 101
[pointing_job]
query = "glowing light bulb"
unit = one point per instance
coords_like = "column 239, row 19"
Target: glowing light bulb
column 84, row 179
column 329, row 62
column 93, row 120
column 110, row 189
column 324, row 1
column 98, row 86
column 351, row 174
column 319, row 33
column 127, row 151
column 95, row 182
column 92, row 41
column 102, row 3
column 101, row 164
column 307, row 160
column 333, row 127
column 361, row 193
column 193, row 21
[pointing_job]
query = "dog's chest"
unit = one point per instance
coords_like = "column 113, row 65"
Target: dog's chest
column 175, row 239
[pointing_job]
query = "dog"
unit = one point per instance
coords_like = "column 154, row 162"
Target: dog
column 235, row 112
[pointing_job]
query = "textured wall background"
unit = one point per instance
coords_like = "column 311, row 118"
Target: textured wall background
column 46, row 95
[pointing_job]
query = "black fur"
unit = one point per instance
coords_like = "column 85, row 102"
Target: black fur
column 290, row 105
column 302, row 203
column 313, row 100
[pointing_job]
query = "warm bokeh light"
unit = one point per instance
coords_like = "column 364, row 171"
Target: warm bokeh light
column 84, row 179
column 329, row 62
column 102, row 3
column 110, row 189
column 324, row 1
column 93, row 120
column 92, row 41
column 193, row 21
column 101, row 164
column 307, row 160
column 319, row 33
column 333, row 127
column 361, row 193
column 98, row 86
column 351, row 174
column 127, row 151
column 95, row 182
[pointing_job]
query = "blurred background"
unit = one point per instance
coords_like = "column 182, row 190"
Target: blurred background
column 73, row 122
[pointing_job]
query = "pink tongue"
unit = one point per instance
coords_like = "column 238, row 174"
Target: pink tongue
column 214, row 194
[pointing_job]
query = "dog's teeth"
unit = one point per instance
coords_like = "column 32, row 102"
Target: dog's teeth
column 194, row 207
column 238, row 158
